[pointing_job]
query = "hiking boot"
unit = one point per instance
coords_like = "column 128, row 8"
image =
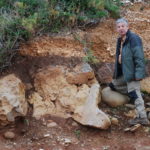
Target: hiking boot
column 142, row 121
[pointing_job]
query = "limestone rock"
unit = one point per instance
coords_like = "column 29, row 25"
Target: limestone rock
column 131, row 113
column 53, row 88
column 52, row 124
column 79, row 78
column 75, row 124
column 133, row 128
column 113, row 98
column 9, row 135
column 55, row 96
column 89, row 114
column 114, row 121
column 40, row 107
column 12, row 99
column 82, row 75
column 145, row 85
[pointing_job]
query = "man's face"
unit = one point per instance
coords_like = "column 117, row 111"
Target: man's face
column 122, row 28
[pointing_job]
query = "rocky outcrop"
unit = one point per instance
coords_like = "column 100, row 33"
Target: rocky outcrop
column 90, row 114
column 81, row 75
column 105, row 73
column 12, row 99
column 113, row 98
column 40, row 106
column 66, row 94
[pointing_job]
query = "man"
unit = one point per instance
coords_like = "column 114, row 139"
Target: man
column 130, row 69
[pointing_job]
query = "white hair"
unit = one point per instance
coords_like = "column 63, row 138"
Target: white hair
column 122, row 20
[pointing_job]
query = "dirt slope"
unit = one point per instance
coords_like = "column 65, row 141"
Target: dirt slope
column 102, row 38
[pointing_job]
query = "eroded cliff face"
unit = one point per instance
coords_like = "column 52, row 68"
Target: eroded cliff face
column 51, row 67
column 57, row 92
column 77, row 96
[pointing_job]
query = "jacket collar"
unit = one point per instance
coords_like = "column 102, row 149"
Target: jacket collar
column 127, row 36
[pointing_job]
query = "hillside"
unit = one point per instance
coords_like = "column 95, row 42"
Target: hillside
column 65, row 51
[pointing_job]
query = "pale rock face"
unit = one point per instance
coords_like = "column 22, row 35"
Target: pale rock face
column 89, row 113
column 145, row 85
column 113, row 98
column 81, row 78
column 52, row 86
column 55, row 96
column 81, row 75
column 40, row 107
column 12, row 99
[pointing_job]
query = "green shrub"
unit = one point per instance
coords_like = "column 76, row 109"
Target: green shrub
column 21, row 19
column 113, row 9
column 11, row 32
column 90, row 58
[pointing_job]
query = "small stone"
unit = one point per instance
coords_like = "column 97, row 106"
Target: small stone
column 89, row 140
column 130, row 106
column 106, row 147
column 147, row 109
column 146, row 129
column 44, row 123
column 52, row 124
column 9, row 135
column 114, row 121
column 46, row 135
column 126, row 129
column 66, row 140
column 75, row 124
column 133, row 128
column 131, row 114
column 148, row 104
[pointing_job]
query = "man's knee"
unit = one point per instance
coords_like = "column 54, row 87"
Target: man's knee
column 133, row 96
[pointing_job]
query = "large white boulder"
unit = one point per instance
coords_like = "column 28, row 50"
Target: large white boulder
column 12, row 99
column 89, row 113
column 73, row 94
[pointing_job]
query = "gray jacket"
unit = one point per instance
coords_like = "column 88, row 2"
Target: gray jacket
column 133, row 63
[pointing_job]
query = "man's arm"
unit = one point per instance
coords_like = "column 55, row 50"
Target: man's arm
column 138, row 57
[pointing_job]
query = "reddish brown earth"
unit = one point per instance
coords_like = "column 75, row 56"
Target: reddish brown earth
column 31, row 134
